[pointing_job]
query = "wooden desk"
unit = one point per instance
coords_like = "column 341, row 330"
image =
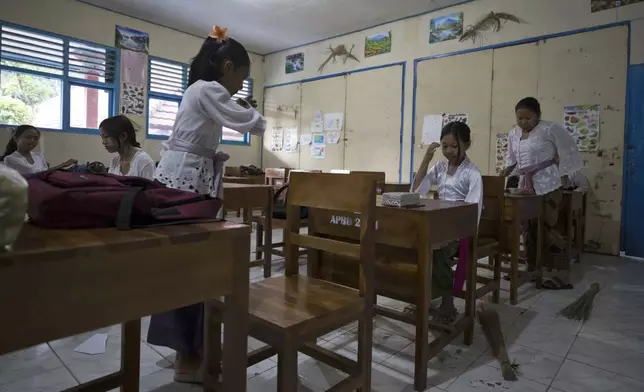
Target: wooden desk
column 249, row 196
column 405, row 238
column 59, row 283
column 573, row 213
column 244, row 179
column 394, row 187
column 518, row 210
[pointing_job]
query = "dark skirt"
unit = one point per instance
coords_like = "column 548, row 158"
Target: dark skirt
column 179, row 329
column 554, row 242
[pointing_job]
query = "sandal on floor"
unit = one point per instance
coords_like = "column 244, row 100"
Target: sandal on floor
column 556, row 283
column 442, row 318
column 532, row 277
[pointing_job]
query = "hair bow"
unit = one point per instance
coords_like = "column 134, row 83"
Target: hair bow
column 219, row 34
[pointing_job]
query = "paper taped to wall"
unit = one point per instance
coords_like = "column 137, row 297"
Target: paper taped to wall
column 290, row 140
column 333, row 121
column 305, row 139
column 432, row 126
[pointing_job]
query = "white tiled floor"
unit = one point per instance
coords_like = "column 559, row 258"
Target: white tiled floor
column 556, row 355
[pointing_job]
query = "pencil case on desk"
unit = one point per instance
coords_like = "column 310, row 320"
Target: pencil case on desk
column 400, row 199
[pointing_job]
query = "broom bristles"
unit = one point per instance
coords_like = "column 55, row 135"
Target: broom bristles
column 491, row 325
column 581, row 308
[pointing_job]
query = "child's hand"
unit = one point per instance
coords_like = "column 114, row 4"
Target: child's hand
column 69, row 162
column 431, row 149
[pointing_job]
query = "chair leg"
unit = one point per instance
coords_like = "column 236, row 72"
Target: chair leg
column 212, row 321
column 496, row 293
column 365, row 337
column 259, row 241
column 287, row 378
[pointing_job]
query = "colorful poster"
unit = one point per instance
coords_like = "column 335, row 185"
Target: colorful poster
column 445, row 28
column 277, row 139
column 601, row 5
column 290, row 140
column 319, row 139
column 501, row 152
column 451, row 117
column 582, row 122
column 318, row 151
column 377, row 44
column 130, row 39
column 294, row 63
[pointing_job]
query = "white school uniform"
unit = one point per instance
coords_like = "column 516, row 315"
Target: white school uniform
column 20, row 164
column 141, row 165
column 206, row 107
column 544, row 142
column 579, row 180
column 465, row 184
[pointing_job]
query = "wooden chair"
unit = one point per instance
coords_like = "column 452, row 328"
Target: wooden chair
column 289, row 312
column 489, row 238
column 276, row 176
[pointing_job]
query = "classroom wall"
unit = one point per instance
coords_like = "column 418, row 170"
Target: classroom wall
column 410, row 41
column 86, row 22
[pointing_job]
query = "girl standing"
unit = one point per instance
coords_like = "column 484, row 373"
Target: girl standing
column 457, row 179
column 544, row 155
column 190, row 162
column 119, row 137
column 19, row 154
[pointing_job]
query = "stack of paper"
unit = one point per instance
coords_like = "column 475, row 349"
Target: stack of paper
column 400, row 199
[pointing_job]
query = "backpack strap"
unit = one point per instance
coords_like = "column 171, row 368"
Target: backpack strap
column 277, row 194
column 124, row 215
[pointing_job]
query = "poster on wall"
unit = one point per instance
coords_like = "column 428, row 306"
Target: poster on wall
column 305, row 139
column 290, row 140
column 454, row 117
column 432, row 127
column 377, row 44
column 132, row 99
column 277, row 139
column 130, row 39
column 602, row 5
column 445, row 28
column 333, row 137
column 333, row 121
column 318, row 151
column 294, row 63
column 133, row 67
column 582, row 122
column 501, row 152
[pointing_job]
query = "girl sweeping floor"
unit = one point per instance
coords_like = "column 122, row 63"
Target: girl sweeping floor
column 190, row 161
column 457, row 179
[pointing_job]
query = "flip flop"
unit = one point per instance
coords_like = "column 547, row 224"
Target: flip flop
column 532, row 277
column 556, row 283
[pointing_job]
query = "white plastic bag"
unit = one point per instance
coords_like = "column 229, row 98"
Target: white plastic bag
column 13, row 205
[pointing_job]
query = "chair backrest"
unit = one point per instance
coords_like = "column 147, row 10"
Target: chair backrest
column 276, row 176
column 349, row 193
column 491, row 225
column 233, row 171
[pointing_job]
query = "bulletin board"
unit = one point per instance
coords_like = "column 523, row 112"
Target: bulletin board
column 581, row 69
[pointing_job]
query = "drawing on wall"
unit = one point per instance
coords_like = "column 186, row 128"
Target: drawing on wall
column 338, row 51
column 377, row 44
column 582, row 122
column 445, row 27
column 290, row 140
column 601, row 5
column 318, row 151
column 493, row 20
column 294, row 63
column 132, row 99
column 277, row 139
column 130, row 39
column 333, row 121
column 501, row 152
column 454, row 117
column 333, row 137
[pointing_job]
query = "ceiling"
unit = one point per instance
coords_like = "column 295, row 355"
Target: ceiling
column 266, row 26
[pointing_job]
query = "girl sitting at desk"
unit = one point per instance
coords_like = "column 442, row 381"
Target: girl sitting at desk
column 457, row 179
column 119, row 137
column 19, row 153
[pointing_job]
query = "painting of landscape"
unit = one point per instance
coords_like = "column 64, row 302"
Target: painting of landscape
column 377, row 44
column 601, row 5
column 294, row 63
column 445, row 28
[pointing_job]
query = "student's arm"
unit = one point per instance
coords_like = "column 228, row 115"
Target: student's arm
column 145, row 167
column 475, row 191
column 510, row 158
column 421, row 174
column 567, row 151
column 14, row 164
column 215, row 101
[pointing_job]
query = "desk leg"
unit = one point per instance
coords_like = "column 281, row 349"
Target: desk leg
column 514, row 259
column 268, row 236
column 235, row 316
column 540, row 245
column 131, row 355
column 470, row 291
column 579, row 242
column 424, row 284
column 570, row 235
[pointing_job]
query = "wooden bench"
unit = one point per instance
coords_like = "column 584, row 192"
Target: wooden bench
column 289, row 312
column 405, row 238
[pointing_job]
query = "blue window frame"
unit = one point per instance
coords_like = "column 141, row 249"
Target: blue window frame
column 55, row 82
column 167, row 81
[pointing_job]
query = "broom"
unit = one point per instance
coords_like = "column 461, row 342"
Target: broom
column 491, row 325
column 581, row 308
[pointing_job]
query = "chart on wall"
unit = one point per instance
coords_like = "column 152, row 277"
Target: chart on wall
column 602, row 5
column 583, row 124
column 501, row 151
column 134, row 47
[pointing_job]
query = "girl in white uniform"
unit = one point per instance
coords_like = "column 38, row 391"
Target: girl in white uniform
column 19, row 154
column 119, row 137
column 457, row 179
column 190, row 161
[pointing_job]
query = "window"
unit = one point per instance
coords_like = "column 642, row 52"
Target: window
column 167, row 82
column 54, row 82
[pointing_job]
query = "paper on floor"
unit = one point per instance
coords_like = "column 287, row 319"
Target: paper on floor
column 94, row 345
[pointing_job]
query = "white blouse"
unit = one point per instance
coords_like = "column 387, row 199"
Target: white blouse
column 543, row 143
column 206, row 107
column 579, row 180
column 142, row 165
column 465, row 184
column 20, row 164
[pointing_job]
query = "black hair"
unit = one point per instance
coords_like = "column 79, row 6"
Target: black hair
column 211, row 57
column 12, row 146
column 460, row 131
column 531, row 104
column 115, row 126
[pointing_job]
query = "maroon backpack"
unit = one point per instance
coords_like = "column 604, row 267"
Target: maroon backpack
column 69, row 200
